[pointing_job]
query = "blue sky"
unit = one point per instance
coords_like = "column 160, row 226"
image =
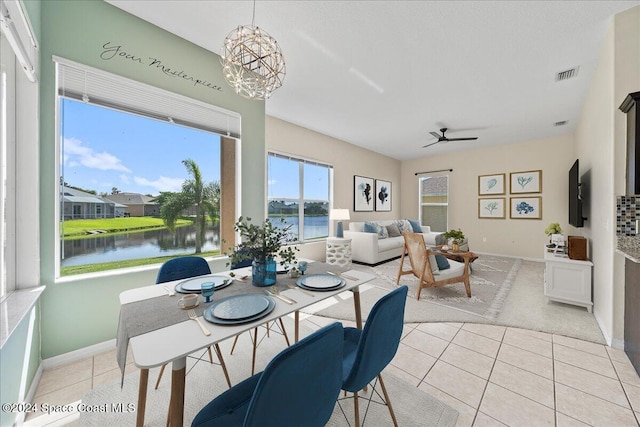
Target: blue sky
column 104, row 148
column 284, row 180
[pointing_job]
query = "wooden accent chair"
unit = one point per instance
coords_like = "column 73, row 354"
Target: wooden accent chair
column 424, row 267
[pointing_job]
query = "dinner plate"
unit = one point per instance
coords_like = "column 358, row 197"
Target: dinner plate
column 208, row 315
column 194, row 284
column 321, row 282
column 240, row 306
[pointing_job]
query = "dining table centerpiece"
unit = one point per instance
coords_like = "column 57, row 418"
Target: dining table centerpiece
column 262, row 244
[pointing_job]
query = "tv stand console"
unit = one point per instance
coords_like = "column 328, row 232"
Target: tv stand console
column 567, row 280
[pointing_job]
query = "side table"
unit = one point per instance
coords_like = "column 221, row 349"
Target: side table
column 338, row 251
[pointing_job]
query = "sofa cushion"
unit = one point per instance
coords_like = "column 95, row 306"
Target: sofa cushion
column 404, row 226
column 434, row 264
column 393, row 230
column 443, row 262
column 415, row 225
column 392, row 243
column 373, row 227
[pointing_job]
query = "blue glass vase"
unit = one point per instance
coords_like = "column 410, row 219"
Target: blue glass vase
column 263, row 273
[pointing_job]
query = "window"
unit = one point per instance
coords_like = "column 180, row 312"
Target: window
column 434, row 202
column 295, row 183
column 132, row 159
column 7, row 176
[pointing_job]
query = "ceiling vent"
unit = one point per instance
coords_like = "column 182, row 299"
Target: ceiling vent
column 567, row 74
column 562, row 123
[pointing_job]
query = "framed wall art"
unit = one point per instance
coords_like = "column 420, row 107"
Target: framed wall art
column 491, row 184
column 491, row 208
column 383, row 196
column 525, row 208
column 363, row 194
column 526, row 182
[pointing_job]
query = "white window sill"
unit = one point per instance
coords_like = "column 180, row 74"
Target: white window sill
column 14, row 308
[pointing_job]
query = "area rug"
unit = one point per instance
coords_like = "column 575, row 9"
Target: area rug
column 491, row 279
column 204, row 381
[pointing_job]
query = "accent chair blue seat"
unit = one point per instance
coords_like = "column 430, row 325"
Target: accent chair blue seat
column 299, row 387
column 184, row 268
column 368, row 351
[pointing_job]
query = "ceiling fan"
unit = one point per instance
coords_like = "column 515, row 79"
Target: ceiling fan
column 443, row 138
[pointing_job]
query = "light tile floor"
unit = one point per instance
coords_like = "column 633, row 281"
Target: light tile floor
column 492, row 375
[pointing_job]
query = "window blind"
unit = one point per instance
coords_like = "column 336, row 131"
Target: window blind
column 87, row 84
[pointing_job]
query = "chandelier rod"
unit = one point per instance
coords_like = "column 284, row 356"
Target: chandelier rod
column 253, row 19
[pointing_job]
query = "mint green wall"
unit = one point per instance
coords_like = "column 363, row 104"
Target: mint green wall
column 20, row 357
column 81, row 312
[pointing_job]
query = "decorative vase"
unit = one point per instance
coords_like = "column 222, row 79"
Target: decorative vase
column 455, row 246
column 263, row 272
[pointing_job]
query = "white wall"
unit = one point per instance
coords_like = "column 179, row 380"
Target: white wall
column 525, row 238
column 600, row 140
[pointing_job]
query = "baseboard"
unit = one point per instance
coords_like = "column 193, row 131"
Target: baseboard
column 79, row 354
column 607, row 337
column 617, row 343
column 31, row 394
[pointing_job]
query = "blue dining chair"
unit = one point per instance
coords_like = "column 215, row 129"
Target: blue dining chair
column 368, row 351
column 184, row 268
column 254, row 338
column 299, row 387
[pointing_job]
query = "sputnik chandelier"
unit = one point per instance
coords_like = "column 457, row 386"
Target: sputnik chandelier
column 252, row 62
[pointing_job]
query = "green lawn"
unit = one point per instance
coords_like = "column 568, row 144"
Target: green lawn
column 104, row 266
column 85, row 227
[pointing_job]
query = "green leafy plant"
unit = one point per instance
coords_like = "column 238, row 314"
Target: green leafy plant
column 263, row 241
column 553, row 228
column 456, row 236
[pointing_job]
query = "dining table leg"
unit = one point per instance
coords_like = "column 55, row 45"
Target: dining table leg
column 356, row 306
column 296, row 328
column 176, row 405
column 142, row 396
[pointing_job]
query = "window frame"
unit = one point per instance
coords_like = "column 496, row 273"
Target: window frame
column 421, row 204
column 301, row 200
column 225, row 123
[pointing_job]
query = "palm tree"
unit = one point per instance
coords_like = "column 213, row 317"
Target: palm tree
column 205, row 198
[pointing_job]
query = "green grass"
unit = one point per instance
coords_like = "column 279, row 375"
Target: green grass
column 105, row 266
column 84, row 227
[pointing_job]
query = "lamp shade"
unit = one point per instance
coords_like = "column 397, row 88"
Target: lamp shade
column 339, row 214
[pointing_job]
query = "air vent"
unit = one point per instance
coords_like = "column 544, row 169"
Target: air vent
column 562, row 123
column 567, row 74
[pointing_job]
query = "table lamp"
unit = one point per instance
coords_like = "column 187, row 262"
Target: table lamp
column 339, row 215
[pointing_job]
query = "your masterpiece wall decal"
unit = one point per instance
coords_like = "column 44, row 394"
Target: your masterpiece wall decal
column 112, row 51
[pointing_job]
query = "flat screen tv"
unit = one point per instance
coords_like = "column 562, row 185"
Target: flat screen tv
column 575, row 202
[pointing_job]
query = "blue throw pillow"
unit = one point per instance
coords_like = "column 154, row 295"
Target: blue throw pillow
column 415, row 225
column 370, row 227
column 443, row 262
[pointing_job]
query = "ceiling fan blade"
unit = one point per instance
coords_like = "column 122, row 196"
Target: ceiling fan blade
column 463, row 139
column 429, row 145
column 436, row 135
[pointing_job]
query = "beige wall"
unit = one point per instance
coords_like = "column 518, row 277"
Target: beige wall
column 600, row 140
column 347, row 160
column 524, row 238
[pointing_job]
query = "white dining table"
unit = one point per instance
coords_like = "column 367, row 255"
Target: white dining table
column 150, row 349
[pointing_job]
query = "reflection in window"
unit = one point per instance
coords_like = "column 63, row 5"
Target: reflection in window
column 293, row 183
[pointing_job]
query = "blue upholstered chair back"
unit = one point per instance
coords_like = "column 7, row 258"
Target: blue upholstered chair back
column 379, row 340
column 299, row 387
column 182, row 268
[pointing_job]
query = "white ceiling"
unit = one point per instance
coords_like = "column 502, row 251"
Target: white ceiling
column 383, row 74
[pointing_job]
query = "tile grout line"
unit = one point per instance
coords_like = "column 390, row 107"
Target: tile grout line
column 495, row 359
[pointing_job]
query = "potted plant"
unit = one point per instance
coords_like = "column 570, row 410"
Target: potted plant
column 262, row 243
column 554, row 231
column 455, row 236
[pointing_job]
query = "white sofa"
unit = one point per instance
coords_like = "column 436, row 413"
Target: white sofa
column 368, row 248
